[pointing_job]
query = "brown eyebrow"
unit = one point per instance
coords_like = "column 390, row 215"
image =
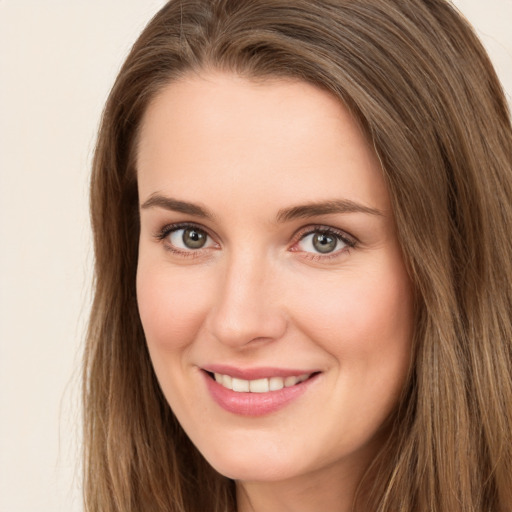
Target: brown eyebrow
column 168, row 203
column 323, row 208
column 284, row 215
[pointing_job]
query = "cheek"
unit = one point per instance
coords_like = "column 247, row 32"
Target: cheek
column 365, row 318
column 172, row 306
column 365, row 323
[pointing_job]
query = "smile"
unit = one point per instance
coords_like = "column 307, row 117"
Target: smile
column 263, row 385
column 256, row 395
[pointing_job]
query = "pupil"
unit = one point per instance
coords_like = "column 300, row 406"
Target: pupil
column 194, row 239
column 324, row 243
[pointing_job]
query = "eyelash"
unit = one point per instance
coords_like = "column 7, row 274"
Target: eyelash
column 170, row 228
column 349, row 241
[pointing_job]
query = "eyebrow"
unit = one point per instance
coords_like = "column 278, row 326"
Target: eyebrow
column 168, row 203
column 325, row 208
column 284, row 215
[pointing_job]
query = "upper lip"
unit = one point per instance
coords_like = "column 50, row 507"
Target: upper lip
column 256, row 372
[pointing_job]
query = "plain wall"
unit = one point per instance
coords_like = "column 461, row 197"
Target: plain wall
column 58, row 60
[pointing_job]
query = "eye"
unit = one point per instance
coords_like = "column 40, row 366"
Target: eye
column 188, row 238
column 324, row 241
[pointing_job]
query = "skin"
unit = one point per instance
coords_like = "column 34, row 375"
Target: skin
column 259, row 294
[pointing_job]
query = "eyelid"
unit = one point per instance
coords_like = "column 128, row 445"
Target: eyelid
column 169, row 228
column 162, row 234
column 350, row 240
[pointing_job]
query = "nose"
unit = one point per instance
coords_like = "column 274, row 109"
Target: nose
column 248, row 306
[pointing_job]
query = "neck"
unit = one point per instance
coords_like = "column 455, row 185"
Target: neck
column 329, row 491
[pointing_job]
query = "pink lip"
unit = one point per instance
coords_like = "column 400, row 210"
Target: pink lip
column 255, row 373
column 255, row 404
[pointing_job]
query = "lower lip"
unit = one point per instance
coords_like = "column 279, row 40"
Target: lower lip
column 255, row 404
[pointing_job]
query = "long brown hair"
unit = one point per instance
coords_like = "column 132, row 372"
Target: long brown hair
column 421, row 85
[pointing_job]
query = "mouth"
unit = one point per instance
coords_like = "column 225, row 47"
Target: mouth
column 261, row 385
column 261, row 392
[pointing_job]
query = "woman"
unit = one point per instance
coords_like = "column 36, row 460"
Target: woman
column 301, row 215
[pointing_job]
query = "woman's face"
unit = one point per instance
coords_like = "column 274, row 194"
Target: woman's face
column 268, row 256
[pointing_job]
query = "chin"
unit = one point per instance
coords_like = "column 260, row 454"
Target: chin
column 243, row 465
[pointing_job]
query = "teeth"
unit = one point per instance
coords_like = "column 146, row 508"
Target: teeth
column 227, row 381
column 259, row 385
column 275, row 383
column 290, row 381
column 240, row 385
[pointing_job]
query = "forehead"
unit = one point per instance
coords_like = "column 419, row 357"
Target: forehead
column 278, row 136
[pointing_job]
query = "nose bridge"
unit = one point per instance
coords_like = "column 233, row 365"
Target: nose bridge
column 247, row 307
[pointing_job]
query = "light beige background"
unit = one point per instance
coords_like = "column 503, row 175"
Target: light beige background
column 57, row 62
